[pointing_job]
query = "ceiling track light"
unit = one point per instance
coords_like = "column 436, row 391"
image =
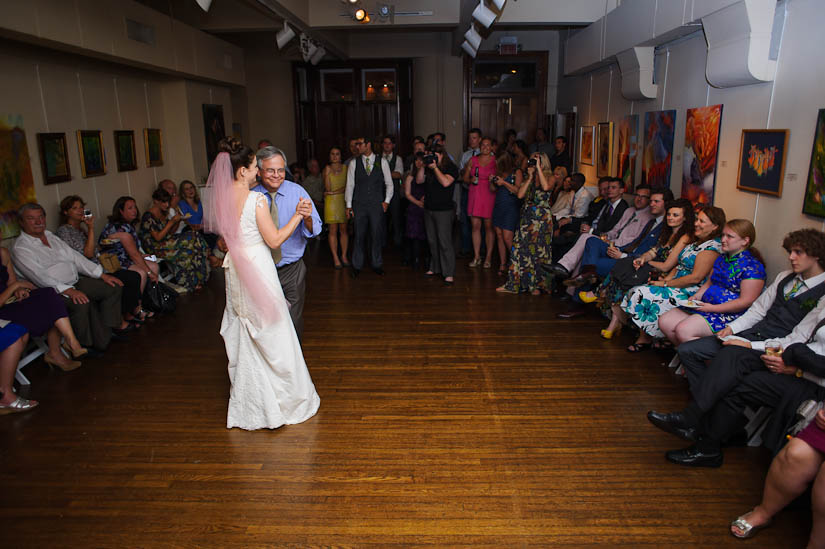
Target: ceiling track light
column 473, row 37
column 467, row 47
column 484, row 15
column 499, row 4
column 204, row 4
column 284, row 36
column 317, row 56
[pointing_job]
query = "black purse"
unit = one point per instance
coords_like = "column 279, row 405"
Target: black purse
column 626, row 276
column 159, row 298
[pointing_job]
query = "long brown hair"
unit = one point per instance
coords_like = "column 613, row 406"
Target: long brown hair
column 687, row 226
column 717, row 217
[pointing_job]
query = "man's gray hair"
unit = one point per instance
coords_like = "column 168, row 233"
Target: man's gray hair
column 269, row 152
column 30, row 206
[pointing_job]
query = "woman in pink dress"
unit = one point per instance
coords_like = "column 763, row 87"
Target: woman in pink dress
column 481, row 200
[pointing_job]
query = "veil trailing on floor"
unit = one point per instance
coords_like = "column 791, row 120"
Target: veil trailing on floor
column 222, row 216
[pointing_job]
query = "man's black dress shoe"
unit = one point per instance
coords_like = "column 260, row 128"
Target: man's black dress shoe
column 692, row 456
column 555, row 269
column 354, row 272
column 379, row 271
column 673, row 423
column 572, row 312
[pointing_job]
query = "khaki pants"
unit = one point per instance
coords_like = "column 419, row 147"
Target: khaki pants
column 92, row 322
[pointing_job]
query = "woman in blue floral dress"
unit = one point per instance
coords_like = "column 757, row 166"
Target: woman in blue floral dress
column 532, row 244
column 643, row 305
column 736, row 281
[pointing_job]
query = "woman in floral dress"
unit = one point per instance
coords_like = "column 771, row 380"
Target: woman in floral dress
column 187, row 252
column 737, row 279
column 645, row 304
column 532, row 245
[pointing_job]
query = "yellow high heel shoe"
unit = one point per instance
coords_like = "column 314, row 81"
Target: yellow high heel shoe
column 608, row 334
column 588, row 299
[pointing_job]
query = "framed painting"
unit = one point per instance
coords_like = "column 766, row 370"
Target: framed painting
column 702, row 127
column 213, row 130
column 626, row 146
column 762, row 161
column 604, row 150
column 153, row 142
column 125, row 150
column 15, row 174
column 92, row 155
column 586, row 145
column 54, row 157
column 657, row 157
column 814, row 203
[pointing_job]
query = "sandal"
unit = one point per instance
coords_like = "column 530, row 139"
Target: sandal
column 638, row 347
column 505, row 290
column 487, row 265
column 663, row 345
column 502, row 270
column 475, row 263
column 20, row 404
column 748, row 530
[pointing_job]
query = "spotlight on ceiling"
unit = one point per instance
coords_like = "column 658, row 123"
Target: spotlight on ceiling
column 499, row 4
column 360, row 15
column 284, row 36
column 317, row 56
column 204, row 4
column 484, row 15
column 467, row 47
column 473, row 37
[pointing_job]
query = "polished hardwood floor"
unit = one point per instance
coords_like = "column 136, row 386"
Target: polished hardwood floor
column 450, row 417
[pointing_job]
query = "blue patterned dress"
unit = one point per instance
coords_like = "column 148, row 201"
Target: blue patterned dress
column 645, row 304
column 725, row 285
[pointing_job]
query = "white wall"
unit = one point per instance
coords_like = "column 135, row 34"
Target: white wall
column 791, row 101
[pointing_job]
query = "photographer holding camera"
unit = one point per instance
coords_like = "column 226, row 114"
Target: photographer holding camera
column 438, row 212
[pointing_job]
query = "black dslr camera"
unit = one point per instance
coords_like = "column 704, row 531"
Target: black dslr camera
column 429, row 159
column 531, row 162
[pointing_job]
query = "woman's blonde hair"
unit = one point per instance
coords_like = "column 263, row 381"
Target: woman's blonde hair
column 547, row 168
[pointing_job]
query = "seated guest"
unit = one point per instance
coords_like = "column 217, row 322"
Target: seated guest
column 92, row 297
column 633, row 221
column 77, row 230
column 40, row 311
column 187, row 252
column 645, row 304
column 532, row 244
column 788, row 311
column 505, row 183
column 191, row 209
column 414, row 191
column 564, row 197
column 123, row 241
column 174, row 205
column 736, row 281
column 643, row 265
column 799, row 464
column 13, row 339
column 583, row 201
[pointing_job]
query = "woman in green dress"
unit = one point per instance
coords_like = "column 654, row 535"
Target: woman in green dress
column 335, row 209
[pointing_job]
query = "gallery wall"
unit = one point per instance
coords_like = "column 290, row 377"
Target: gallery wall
column 790, row 102
column 59, row 92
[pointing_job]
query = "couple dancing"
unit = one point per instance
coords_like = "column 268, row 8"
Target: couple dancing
column 270, row 383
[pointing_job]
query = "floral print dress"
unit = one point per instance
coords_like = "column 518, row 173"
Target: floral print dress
column 725, row 285
column 613, row 291
column 532, row 243
column 645, row 304
column 186, row 251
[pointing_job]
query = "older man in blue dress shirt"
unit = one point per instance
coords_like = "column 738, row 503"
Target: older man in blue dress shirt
column 288, row 258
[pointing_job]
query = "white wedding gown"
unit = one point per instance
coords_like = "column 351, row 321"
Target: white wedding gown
column 271, row 385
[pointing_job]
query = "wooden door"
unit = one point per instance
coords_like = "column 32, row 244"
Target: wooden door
column 495, row 115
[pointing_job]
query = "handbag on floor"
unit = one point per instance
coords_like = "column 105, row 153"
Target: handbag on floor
column 159, row 298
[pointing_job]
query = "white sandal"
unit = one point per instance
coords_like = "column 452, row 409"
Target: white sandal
column 748, row 530
column 20, row 404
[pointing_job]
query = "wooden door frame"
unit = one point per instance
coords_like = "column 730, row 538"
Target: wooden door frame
column 541, row 85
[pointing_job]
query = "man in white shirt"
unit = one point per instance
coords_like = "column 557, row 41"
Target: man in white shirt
column 787, row 312
column 581, row 201
column 92, row 297
column 397, row 204
column 368, row 195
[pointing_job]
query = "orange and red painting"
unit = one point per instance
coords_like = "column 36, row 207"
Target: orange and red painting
column 702, row 127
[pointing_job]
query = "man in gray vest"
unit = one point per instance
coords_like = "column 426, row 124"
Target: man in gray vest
column 368, row 195
column 786, row 312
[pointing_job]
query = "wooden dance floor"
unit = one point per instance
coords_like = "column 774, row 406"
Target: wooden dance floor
column 450, row 417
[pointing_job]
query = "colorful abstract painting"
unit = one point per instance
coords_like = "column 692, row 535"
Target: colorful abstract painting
column 604, row 149
column 16, row 181
column 814, row 203
column 762, row 161
column 586, row 137
column 702, row 127
column 660, row 130
column 626, row 144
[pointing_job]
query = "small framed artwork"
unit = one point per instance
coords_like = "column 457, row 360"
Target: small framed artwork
column 153, row 141
column 604, row 150
column 92, row 156
column 54, row 156
column 762, row 161
column 814, row 203
column 586, row 145
column 125, row 150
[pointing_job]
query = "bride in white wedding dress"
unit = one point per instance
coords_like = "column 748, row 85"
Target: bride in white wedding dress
column 270, row 383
